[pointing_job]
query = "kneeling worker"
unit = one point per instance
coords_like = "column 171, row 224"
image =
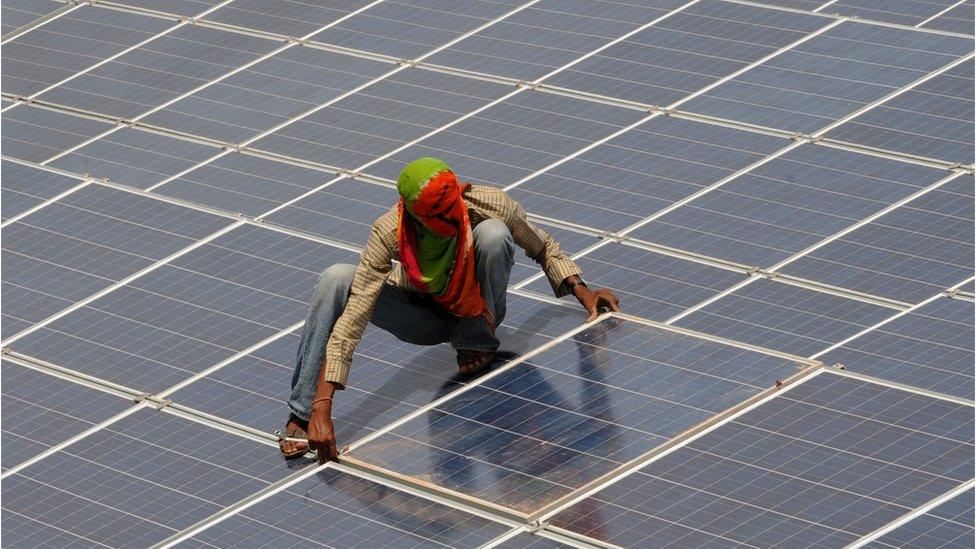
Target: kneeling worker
column 455, row 244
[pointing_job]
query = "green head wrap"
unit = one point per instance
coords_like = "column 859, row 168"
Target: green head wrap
column 416, row 174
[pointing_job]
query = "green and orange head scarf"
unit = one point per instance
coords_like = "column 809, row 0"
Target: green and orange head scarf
column 435, row 240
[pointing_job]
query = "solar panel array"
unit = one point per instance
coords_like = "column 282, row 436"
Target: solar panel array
column 780, row 192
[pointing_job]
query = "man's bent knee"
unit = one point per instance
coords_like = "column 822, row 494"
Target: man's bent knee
column 493, row 237
column 336, row 279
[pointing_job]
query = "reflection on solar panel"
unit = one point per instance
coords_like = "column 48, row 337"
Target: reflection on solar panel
column 780, row 192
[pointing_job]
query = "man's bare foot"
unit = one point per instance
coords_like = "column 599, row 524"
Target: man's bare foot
column 470, row 362
column 295, row 428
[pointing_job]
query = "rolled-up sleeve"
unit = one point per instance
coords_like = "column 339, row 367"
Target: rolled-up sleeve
column 372, row 272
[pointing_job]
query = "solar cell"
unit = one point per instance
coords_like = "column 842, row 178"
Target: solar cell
column 88, row 240
column 361, row 513
column 410, row 28
column 287, row 17
column 181, row 318
column 245, row 183
column 958, row 19
column 41, row 411
column 687, row 51
column 650, row 284
column 188, row 8
column 826, row 463
column 24, row 187
column 786, row 318
column 159, row 71
column 37, row 134
column 514, row 138
column 18, row 13
column 909, row 254
column 548, row 35
column 932, row 120
column 830, row 76
column 786, row 205
column 641, row 171
column 155, row 473
column 267, row 93
column 80, row 39
column 380, row 118
column 903, row 12
column 948, row 525
column 135, row 157
column 573, row 413
column 931, row 347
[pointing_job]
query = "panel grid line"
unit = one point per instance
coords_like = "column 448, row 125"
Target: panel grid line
column 41, row 21
column 943, row 12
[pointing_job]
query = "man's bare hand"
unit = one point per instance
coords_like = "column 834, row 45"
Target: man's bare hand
column 321, row 434
column 594, row 300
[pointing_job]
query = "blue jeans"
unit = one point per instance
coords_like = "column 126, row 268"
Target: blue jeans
column 411, row 317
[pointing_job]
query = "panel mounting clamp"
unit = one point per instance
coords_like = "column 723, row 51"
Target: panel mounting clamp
column 536, row 525
column 232, row 147
column 404, row 62
column 839, row 366
column 952, row 292
column 352, row 174
column 162, row 403
column 141, row 397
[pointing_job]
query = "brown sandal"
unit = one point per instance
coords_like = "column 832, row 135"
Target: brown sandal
column 295, row 434
column 465, row 358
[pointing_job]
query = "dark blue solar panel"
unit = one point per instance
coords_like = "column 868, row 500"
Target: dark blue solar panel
column 650, row 284
column 285, row 17
column 808, row 5
column 37, row 134
column 186, row 316
column 948, row 525
column 830, row 76
column 822, row 465
column 532, row 541
column 245, row 183
column 337, row 509
column 958, row 19
column 135, row 157
column 642, row 171
column 909, row 254
column 81, row 39
column 516, row 137
column 903, row 12
column 548, row 35
column 786, row 318
column 573, row 413
column 160, row 70
column 343, row 211
column 25, row 187
column 40, row 411
column 382, row 117
column 786, row 205
column 389, row 377
column 933, row 120
column 267, row 93
column 88, row 240
column 140, row 480
column 687, row 51
column 410, row 28
column 931, row 347
column 18, row 13
column 188, row 8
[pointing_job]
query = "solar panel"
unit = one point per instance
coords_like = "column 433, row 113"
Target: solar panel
column 82, row 38
column 267, row 94
column 24, row 187
column 41, row 411
column 177, row 174
column 930, row 347
column 157, row 474
column 573, row 413
column 361, row 513
column 931, row 121
column 37, row 134
column 787, row 205
column 948, row 525
column 958, row 19
column 687, row 51
column 823, row 464
column 910, row 254
column 830, row 76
